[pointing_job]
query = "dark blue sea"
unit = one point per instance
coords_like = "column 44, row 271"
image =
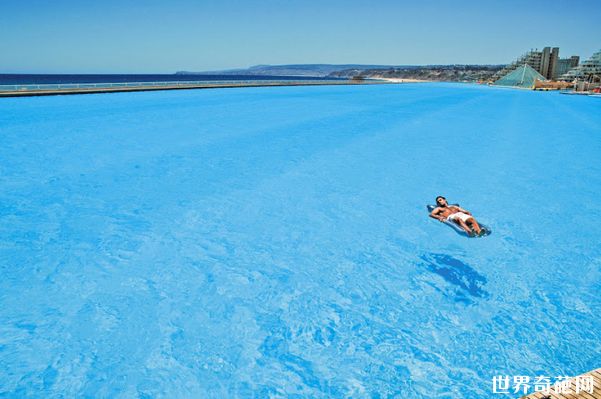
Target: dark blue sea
column 14, row 79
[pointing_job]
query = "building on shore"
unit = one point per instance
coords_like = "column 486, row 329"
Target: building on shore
column 546, row 62
column 566, row 64
column 589, row 71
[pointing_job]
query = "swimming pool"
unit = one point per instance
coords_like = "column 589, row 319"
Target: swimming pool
column 274, row 241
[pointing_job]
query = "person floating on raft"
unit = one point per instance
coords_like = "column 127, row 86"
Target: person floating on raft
column 453, row 213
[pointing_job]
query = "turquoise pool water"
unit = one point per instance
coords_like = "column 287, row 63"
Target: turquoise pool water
column 265, row 242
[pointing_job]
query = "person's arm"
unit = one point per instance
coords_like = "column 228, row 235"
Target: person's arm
column 435, row 214
column 460, row 209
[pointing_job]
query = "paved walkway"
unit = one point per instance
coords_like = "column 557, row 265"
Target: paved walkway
column 576, row 388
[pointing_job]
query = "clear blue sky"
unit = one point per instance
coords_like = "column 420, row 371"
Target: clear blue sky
column 69, row 36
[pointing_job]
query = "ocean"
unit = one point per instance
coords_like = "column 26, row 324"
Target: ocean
column 16, row 79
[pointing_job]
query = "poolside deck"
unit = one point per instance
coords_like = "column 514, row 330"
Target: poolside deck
column 571, row 393
column 96, row 90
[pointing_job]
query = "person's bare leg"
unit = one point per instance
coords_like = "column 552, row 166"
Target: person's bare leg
column 475, row 225
column 464, row 226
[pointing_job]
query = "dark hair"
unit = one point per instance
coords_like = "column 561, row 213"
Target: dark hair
column 440, row 196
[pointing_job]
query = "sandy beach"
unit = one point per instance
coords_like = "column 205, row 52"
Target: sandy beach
column 400, row 80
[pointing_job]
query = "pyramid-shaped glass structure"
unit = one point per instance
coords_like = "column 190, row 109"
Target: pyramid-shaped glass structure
column 523, row 76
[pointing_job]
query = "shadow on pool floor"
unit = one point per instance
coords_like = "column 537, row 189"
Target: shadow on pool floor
column 466, row 279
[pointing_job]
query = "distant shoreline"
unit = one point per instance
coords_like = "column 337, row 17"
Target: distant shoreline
column 400, row 80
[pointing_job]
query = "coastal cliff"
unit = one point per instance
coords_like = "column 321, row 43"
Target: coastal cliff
column 449, row 73
column 444, row 73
